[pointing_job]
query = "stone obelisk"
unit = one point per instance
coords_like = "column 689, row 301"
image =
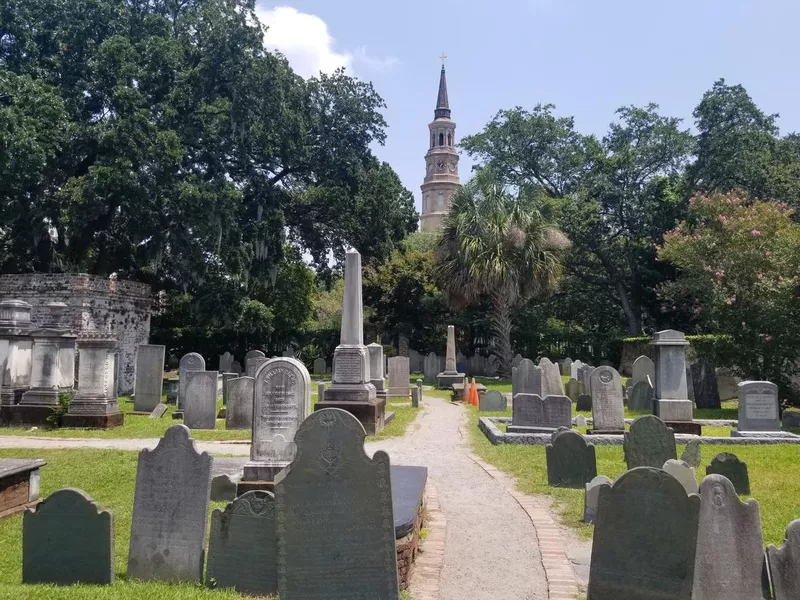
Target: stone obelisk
column 450, row 375
column 351, row 389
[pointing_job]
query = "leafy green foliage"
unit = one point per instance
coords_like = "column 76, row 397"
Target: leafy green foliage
column 57, row 413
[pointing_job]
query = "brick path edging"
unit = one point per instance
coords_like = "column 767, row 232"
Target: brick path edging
column 561, row 582
column 428, row 566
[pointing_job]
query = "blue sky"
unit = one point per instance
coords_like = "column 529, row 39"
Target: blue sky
column 588, row 57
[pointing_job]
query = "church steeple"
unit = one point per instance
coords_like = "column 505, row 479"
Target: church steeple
column 442, row 102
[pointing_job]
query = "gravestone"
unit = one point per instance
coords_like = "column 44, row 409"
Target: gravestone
column 566, row 367
column 243, row 548
column 585, row 377
column 451, row 374
column 529, row 378
column 704, row 383
column 759, row 407
column 730, row 551
column 574, row 389
column 728, row 465
column 640, row 396
column 149, row 377
column 236, row 367
column 376, row 374
column 689, row 383
column 170, row 510
column 239, row 413
column 590, row 497
column 580, row 421
column 189, row 362
column 551, row 378
column 321, row 392
column 643, row 370
column 399, row 377
column 644, row 538
column 584, row 402
column 575, row 369
column 649, row 443
column 254, row 354
column 684, row 474
column 200, row 408
column 608, row 412
column 492, row 401
column 516, row 360
column 671, row 395
column 253, row 364
column 571, row 461
column 158, row 411
column 282, row 400
column 431, row 368
column 784, row 564
column 226, row 377
column 336, row 537
column 320, row 366
column 67, row 538
column 692, row 454
column 532, row 414
column 225, row 362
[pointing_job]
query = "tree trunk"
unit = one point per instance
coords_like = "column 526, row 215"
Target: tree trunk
column 632, row 317
column 501, row 325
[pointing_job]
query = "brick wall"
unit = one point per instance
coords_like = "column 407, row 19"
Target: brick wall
column 94, row 304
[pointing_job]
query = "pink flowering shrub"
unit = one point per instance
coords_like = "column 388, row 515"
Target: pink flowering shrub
column 739, row 263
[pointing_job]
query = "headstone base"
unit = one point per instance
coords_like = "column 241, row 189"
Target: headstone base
column 445, row 381
column 5, row 415
column 529, row 429
column 40, row 397
column 260, row 471
column 685, row 427
column 764, row 434
column 372, row 415
column 94, row 421
column 23, row 414
column 11, row 396
column 605, row 432
column 254, row 486
column 674, row 410
column 350, row 392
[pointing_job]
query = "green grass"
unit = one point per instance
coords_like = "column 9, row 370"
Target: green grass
column 774, row 474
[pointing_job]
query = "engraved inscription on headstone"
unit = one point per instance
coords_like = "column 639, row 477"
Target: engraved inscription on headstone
column 758, row 406
column 608, row 411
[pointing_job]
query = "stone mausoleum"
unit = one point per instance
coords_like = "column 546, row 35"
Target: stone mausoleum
column 94, row 304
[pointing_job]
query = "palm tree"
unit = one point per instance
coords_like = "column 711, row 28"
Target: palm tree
column 498, row 245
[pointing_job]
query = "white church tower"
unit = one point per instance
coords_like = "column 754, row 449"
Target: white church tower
column 441, row 163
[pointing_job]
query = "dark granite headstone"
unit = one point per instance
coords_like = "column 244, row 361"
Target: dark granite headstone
column 529, row 410
column 649, row 443
column 242, row 547
column 493, row 401
column 170, row 510
column 729, row 465
column 644, row 539
column 67, row 539
column 704, row 381
column 784, row 564
column 336, row 536
column 730, row 550
column 584, row 403
column 640, row 396
column 571, row 461
column 692, row 454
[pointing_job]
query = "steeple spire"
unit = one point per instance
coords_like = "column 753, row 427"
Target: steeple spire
column 442, row 103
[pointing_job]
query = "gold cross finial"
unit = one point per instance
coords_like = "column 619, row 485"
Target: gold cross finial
column 443, row 57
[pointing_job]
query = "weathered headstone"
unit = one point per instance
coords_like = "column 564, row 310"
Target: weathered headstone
column 704, row 383
column 492, row 401
column 236, row 367
column 574, row 369
column 67, row 538
column 282, row 400
column 189, row 362
column 529, row 378
column 728, row 465
column 551, row 378
column 243, row 547
column 584, row 403
column 571, row 461
column 692, row 454
column 149, row 377
column 585, row 377
column 730, row 552
column 640, row 396
column 225, row 362
column 784, row 564
column 683, row 473
column 200, row 404
column 170, row 510
column 320, row 367
column 574, row 389
column 531, row 413
column 158, row 411
column 643, row 370
column 516, row 360
column 649, row 443
column 580, row 421
column 430, row 368
column 608, row 412
column 254, row 354
column 321, row 392
column 239, row 413
column 226, row 377
column 253, row 364
column 759, row 407
column 671, row 396
column 590, row 497
column 399, row 377
column 644, row 539
column 376, row 374
column 566, row 367
column 336, row 537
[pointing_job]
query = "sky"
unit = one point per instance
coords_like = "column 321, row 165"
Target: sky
column 587, row 57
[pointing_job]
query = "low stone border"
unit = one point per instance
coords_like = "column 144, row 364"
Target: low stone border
column 561, row 581
column 492, row 432
column 705, row 422
column 430, row 559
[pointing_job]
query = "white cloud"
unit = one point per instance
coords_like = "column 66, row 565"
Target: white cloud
column 305, row 40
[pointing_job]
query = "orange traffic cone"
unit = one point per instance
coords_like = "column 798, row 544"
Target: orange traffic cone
column 473, row 394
